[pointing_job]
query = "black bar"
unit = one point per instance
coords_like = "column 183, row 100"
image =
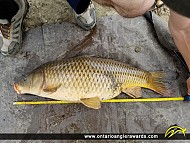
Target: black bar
column 100, row 136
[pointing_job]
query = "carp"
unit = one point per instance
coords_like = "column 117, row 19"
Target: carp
column 89, row 80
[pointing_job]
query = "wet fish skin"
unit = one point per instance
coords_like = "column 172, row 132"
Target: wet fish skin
column 87, row 77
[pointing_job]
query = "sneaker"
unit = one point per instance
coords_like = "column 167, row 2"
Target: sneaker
column 87, row 19
column 11, row 33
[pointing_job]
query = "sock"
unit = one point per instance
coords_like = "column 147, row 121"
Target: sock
column 82, row 6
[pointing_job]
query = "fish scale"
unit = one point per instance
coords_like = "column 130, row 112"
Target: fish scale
column 81, row 67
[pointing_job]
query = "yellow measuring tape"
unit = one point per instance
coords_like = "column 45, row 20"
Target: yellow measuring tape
column 105, row 101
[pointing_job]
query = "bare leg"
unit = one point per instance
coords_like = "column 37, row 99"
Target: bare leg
column 128, row 8
column 180, row 29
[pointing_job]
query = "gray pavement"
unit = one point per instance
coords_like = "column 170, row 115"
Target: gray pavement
column 133, row 41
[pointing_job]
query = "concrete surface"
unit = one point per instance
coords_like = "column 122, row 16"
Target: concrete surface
column 133, row 41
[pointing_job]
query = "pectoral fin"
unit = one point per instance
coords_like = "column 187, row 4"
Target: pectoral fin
column 134, row 92
column 93, row 102
column 51, row 88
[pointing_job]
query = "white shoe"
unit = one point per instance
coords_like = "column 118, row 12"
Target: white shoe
column 87, row 19
column 11, row 33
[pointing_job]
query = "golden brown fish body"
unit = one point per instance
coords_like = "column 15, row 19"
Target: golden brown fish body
column 87, row 79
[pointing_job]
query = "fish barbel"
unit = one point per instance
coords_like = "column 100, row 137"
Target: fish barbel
column 89, row 80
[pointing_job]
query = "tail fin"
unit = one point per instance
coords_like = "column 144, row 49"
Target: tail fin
column 156, row 83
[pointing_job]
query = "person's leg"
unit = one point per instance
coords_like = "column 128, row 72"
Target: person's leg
column 79, row 6
column 129, row 8
column 12, row 13
column 180, row 29
column 84, row 13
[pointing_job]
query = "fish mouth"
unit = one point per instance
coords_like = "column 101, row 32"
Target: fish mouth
column 16, row 88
